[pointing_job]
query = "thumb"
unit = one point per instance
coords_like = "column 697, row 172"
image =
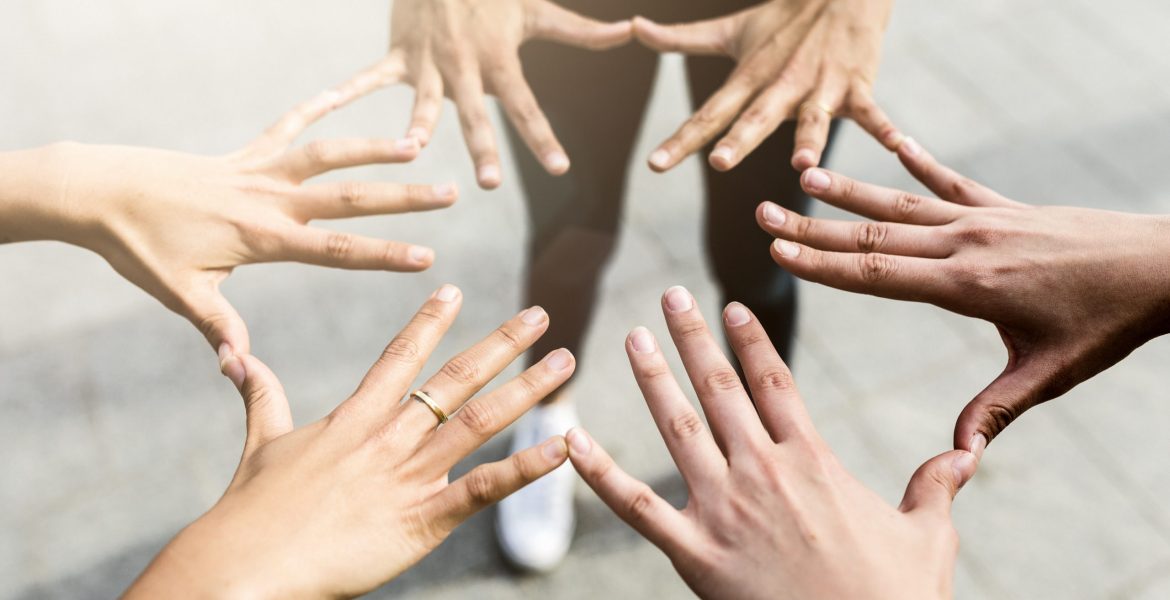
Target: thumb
column 700, row 37
column 553, row 22
column 934, row 485
column 1017, row 389
column 219, row 322
column 265, row 403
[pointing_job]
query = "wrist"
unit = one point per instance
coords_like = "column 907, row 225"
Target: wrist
column 40, row 199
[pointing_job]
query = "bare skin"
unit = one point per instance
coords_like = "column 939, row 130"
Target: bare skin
column 1072, row 290
column 810, row 60
column 177, row 225
column 340, row 506
column 771, row 512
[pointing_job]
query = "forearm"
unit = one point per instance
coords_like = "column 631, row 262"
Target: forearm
column 36, row 202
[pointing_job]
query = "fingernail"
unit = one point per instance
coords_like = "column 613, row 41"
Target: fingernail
column 816, row 180
column 233, row 368
column 773, row 214
column 406, row 144
column 489, row 175
column 911, row 147
column 678, row 299
column 804, row 157
column 963, row 467
column 420, row 254
column 787, row 249
column 723, row 155
column 737, row 314
column 560, row 360
column 447, row 293
column 579, row 441
column 660, row 158
column 555, row 449
column 446, row 190
column 225, row 351
column 419, row 134
column 330, row 98
column 895, row 139
column 978, row 444
column 556, row 162
column 534, row 316
column 642, row 340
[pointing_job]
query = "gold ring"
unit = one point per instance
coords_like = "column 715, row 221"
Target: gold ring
column 425, row 398
column 821, row 106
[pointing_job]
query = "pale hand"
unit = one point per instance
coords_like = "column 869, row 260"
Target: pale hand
column 340, row 506
column 805, row 59
column 1071, row 290
column 771, row 513
column 466, row 49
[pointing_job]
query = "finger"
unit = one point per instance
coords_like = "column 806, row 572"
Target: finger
column 217, row 320
column 864, row 111
column 944, row 182
column 933, row 486
column 478, row 133
column 487, row 484
column 358, row 199
column 631, row 500
column 776, row 398
column 759, row 121
column 428, row 104
column 708, row 37
column 466, row 373
column 854, row 236
column 552, row 22
column 406, row 354
column 313, row 246
column 282, row 133
column 482, row 418
column 690, row 444
column 894, row 277
column 713, row 117
column 524, row 112
column 1017, row 389
column 321, row 156
column 814, row 119
column 265, row 404
column 733, row 419
column 878, row 203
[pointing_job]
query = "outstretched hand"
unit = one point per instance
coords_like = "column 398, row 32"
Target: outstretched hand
column 468, row 48
column 771, row 513
column 1071, row 290
column 176, row 225
column 809, row 60
column 342, row 505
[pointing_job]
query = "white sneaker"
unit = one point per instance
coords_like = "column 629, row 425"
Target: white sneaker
column 535, row 525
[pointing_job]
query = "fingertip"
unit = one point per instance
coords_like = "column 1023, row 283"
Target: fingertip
column 560, row 360
column 785, row 249
column 419, row 134
column 408, row 147
column 659, row 160
column 556, row 163
column 771, row 215
column 421, row 257
column 555, row 450
column 909, row 149
column 233, row 368
column 736, row 315
column 815, row 181
column 488, row 176
column 446, row 194
column 641, row 340
column 447, row 293
column 722, row 159
column 963, row 468
column 580, row 443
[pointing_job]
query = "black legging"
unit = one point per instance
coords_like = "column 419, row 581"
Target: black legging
column 595, row 102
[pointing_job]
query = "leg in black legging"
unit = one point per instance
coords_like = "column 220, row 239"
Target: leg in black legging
column 594, row 101
column 737, row 247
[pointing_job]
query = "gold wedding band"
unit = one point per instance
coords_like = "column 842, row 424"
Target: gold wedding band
column 425, row 398
column 821, row 106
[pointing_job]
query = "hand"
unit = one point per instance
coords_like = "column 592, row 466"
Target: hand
column 1072, row 290
column 805, row 59
column 466, row 48
column 345, row 504
column 771, row 513
column 176, row 225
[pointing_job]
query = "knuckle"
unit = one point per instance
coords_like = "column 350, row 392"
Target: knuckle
column 801, row 225
column 776, row 380
column 722, row 380
column 352, row 194
column 638, row 505
column 905, row 205
column 339, row 245
column 875, row 268
column 691, row 330
column 509, row 338
column 686, row 425
column 461, row 369
column 964, row 188
column 481, row 486
column 318, row 151
column 479, row 418
column 754, row 117
column 401, row 349
column 654, row 371
column 871, row 237
column 529, row 386
column 418, row 193
column 997, row 416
